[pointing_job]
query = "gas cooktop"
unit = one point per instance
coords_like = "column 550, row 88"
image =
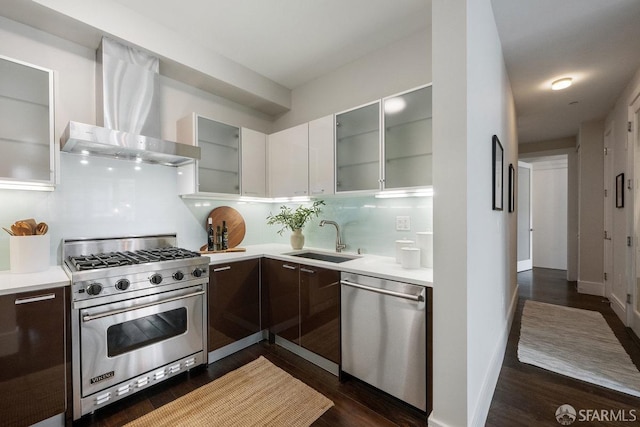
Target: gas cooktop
column 118, row 259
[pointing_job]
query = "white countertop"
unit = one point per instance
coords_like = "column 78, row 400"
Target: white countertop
column 369, row 265
column 11, row 283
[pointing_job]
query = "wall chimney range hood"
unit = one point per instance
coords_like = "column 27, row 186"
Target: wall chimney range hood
column 128, row 112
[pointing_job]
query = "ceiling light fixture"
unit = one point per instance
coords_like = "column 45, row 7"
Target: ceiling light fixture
column 562, row 83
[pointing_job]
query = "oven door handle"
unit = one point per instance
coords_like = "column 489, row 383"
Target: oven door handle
column 90, row 317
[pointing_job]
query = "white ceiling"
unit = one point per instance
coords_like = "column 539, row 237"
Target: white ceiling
column 594, row 41
column 290, row 41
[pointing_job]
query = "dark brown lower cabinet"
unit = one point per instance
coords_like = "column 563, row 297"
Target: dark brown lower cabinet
column 32, row 356
column 282, row 300
column 234, row 302
column 304, row 306
column 320, row 311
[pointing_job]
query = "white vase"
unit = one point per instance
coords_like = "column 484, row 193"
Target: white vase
column 297, row 239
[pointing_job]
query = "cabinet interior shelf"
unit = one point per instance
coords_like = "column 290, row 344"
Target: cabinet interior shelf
column 408, row 122
column 218, row 144
column 26, row 101
column 350, row 165
column 353, row 135
column 390, row 159
column 218, row 170
column 44, row 144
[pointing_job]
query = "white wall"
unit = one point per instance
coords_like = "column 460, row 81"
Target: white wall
column 591, row 215
column 400, row 66
column 624, row 269
column 550, row 195
column 475, row 264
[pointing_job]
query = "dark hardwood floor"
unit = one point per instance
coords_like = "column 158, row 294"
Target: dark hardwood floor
column 529, row 396
column 356, row 403
column 525, row 395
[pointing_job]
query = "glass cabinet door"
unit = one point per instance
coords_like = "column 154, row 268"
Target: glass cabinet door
column 407, row 139
column 219, row 164
column 358, row 149
column 26, row 124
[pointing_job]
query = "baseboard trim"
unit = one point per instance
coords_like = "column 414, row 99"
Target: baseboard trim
column 229, row 349
column 490, row 381
column 591, row 288
column 483, row 404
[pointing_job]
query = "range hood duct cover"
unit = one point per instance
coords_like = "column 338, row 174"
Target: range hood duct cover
column 128, row 113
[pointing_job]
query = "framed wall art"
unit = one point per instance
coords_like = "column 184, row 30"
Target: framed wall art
column 498, row 161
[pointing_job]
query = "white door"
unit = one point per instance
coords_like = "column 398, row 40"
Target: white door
column 609, row 201
column 524, row 211
column 633, row 315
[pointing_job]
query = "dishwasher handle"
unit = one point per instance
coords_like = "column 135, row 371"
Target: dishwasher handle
column 418, row 298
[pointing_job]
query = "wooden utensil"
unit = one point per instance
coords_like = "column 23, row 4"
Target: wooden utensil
column 29, row 229
column 31, row 223
column 235, row 224
column 21, row 229
column 42, row 228
column 8, row 231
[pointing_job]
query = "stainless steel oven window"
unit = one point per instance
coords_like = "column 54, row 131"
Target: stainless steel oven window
column 134, row 334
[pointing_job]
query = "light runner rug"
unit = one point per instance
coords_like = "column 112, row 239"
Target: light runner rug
column 256, row 394
column 577, row 343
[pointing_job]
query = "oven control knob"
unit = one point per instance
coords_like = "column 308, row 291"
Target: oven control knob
column 94, row 289
column 178, row 275
column 156, row 279
column 197, row 272
column 122, row 284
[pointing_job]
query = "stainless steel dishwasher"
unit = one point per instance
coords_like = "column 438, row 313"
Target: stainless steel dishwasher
column 384, row 336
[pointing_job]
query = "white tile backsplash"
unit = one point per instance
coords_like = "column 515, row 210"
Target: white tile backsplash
column 111, row 198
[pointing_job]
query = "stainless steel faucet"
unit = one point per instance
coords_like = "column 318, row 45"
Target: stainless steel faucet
column 339, row 245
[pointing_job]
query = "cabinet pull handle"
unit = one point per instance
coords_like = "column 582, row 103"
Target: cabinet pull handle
column 228, row 267
column 35, row 299
column 318, row 191
column 289, row 267
column 300, row 192
column 306, row 270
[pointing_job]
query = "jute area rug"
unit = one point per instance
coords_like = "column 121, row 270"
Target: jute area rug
column 257, row 394
column 577, row 343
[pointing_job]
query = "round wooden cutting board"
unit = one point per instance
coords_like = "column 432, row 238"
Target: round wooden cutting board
column 235, row 223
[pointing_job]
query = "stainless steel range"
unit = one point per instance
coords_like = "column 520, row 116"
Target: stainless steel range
column 138, row 315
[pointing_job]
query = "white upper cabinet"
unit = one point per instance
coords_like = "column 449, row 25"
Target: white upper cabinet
column 321, row 157
column 288, row 162
column 27, row 147
column 254, row 167
column 358, row 149
column 218, row 170
column 404, row 145
column 407, row 139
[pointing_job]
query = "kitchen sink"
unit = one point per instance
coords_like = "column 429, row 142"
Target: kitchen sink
column 323, row 256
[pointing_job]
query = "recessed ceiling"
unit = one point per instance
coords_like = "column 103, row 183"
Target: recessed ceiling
column 290, row 41
column 593, row 41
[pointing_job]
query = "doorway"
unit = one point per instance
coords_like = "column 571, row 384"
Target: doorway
column 543, row 212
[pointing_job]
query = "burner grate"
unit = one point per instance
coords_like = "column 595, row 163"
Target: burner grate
column 117, row 259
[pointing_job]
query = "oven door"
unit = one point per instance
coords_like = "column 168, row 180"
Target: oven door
column 121, row 340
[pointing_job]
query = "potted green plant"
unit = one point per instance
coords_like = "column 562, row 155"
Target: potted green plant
column 294, row 220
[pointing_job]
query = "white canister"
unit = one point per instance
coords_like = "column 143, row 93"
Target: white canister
column 425, row 243
column 29, row 254
column 411, row 258
column 399, row 245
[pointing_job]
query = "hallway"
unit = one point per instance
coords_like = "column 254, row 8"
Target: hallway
column 529, row 396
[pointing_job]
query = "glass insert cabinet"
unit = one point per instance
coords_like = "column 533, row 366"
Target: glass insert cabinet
column 385, row 144
column 27, row 147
